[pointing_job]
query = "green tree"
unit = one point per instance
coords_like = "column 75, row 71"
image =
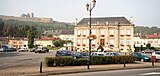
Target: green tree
column 1, row 27
column 50, row 35
column 30, row 36
column 58, row 43
column 148, row 45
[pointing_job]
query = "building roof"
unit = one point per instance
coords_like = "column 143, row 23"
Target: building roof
column 48, row 38
column 67, row 32
column 105, row 20
column 153, row 36
column 59, row 32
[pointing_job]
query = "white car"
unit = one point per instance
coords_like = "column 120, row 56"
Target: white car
column 97, row 53
column 111, row 54
column 23, row 49
column 157, row 54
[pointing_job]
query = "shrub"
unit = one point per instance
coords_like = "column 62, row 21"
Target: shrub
column 75, row 62
column 49, row 61
column 108, row 60
column 121, row 59
column 63, row 61
column 83, row 61
column 97, row 60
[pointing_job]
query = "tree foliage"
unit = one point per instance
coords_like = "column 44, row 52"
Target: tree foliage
column 17, row 28
column 146, row 30
column 30, row 36
column 148, row 45
column 58, row 43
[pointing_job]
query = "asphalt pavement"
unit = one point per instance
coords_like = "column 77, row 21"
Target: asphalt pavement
column 28, row 64
column 127, row 72
column 17, row 59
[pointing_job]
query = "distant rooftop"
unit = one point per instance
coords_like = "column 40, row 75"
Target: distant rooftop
column 105, row 20
column 153, row 36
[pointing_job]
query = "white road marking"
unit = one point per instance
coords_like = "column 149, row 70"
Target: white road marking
column 151, row 73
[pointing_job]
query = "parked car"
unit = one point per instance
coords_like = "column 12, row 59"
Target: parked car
column 64, row 53
column 141, row 56
column 81, row 54
column 157, row 54
column 32, row 49
column 23, row 49
column 7, row 48
column 41, row 50
column 111, row 54
column 97, row 54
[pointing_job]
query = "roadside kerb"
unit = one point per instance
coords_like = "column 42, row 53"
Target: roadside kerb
column 80, row 69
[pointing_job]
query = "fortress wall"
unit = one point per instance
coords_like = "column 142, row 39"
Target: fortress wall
column 34, row 19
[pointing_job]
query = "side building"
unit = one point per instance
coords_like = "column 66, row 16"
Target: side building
column 153, row 39
column 112, row 33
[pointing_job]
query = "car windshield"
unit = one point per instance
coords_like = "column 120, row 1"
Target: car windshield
column 115, row 54
column 143, row 54
column 66, row 53
column 84, row 54
column 81, row 53
column 157, row 53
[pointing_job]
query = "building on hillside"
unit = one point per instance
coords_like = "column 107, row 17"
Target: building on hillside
column 68, row 36
column 23, row 42
column 18, row 42
column 4, row 40
column 153, row 39
column 113, row 33
column 56, row 32
column 45, row 41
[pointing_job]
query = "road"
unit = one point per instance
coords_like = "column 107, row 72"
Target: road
column 128, row 72
column 15, row 59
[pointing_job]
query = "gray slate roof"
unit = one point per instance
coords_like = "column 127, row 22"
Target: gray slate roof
column 105, row 20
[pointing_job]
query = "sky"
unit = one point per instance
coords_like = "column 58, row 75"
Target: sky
column 144, row 12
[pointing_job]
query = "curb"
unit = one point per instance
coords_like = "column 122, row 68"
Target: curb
column 86, row 70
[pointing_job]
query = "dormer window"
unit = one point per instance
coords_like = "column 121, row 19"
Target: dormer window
column 107, row 22
column 97, row 22
column 88, row 23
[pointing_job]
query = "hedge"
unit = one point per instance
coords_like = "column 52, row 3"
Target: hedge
column 63, row 61
column 95, row 60
column 49, row 61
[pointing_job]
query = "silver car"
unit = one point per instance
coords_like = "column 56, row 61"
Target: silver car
column 111, row 54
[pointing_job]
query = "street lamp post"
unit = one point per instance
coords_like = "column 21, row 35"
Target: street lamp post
column 89, row 8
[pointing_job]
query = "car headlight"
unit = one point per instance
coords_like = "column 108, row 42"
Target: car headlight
column 146, row 58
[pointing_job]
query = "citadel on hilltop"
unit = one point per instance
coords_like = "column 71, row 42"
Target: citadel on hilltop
column 27, row 17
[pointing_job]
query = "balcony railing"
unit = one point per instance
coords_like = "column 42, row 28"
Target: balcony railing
column 78, row 44
column 102, row 35
column 111, row 35
column 93, row 45
column 84, row 45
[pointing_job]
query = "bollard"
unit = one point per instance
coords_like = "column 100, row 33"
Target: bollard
column 124, row 64
column 152, row 63
column 88, row 65
column 41, row 67
column 153, row 60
